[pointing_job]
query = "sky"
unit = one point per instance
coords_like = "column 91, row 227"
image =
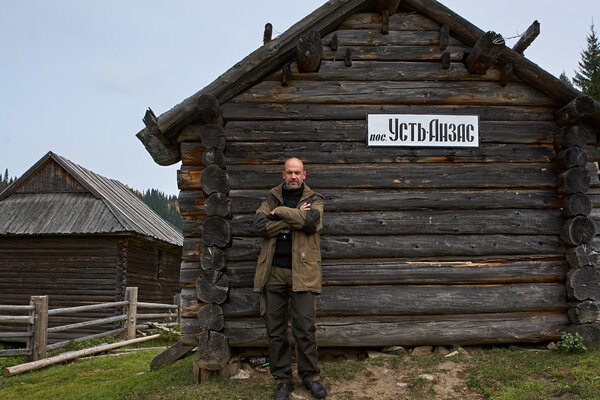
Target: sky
column 76, row 76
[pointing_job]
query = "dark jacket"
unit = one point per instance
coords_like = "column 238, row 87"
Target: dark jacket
column 306, row 247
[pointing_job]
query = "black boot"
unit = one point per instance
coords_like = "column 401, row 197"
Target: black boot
column 283, row 391
column 316, row 389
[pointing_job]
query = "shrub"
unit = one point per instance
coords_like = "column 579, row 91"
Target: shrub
column 571, row 343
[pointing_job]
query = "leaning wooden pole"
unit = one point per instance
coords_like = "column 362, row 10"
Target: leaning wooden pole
column 70, row 355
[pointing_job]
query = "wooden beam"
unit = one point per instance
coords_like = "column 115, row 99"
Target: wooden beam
column 485, row 53
column 527, row 38
column 506, row 74
column 160, row 148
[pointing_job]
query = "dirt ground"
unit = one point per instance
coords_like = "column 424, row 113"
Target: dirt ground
column 383, row 380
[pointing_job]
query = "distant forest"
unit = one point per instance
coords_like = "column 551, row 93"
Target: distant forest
column 165, row 206
column 6, row 180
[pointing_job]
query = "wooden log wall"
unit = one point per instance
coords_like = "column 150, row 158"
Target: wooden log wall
column 154, row 269
column 420, row 245
column 72, row 271
column 206, row 211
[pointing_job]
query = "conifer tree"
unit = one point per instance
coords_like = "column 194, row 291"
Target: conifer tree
column 588, row 77
column 563, row 77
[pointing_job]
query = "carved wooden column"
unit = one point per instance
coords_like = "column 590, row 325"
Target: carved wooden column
column 205, row 208
column 579, row 230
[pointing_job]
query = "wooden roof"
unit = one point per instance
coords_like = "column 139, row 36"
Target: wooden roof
column 57, row 196
column 160, row 136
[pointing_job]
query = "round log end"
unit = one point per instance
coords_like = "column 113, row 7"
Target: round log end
column 583, row 284
column 216, row 231
column 578, row 230
column 214, row 180
column 212, row 287
column 577, row 204
column 213, row 258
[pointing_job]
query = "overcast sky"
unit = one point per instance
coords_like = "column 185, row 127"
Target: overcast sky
column 76, row 76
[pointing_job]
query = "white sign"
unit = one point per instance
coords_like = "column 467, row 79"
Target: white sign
column 423, row 130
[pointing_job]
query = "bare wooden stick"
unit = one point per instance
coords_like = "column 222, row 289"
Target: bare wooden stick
column 70, row 355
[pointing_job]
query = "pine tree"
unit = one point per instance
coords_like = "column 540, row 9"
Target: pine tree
column 588, row 77
column 563, row 77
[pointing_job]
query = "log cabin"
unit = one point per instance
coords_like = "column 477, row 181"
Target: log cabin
column 422, row 244
column 81, row 238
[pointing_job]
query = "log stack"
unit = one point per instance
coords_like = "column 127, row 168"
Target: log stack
column 206, row 211
column 579, row 229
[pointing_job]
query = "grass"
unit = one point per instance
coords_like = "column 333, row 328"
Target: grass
column 496, row 373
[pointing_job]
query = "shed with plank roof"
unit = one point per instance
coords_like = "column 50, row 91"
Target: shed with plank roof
column 439, row 244
column 81, row 238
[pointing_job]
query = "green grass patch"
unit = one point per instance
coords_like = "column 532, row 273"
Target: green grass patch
column 497, row 373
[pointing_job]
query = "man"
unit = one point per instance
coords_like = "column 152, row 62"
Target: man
column 288, row 273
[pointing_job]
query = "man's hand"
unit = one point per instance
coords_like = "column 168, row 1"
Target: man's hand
column 305, row 206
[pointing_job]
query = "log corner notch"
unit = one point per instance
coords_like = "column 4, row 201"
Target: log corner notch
column 485, row 53
column 309, row 51
column 163, row 151
column 578, row 231
column 206, row 137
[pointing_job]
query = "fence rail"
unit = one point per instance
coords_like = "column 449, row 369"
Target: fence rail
column 38, row 313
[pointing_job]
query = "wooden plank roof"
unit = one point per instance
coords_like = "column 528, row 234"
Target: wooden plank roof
column 101, row 206
column 161, row 139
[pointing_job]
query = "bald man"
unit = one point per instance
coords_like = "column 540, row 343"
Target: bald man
column 288, row 276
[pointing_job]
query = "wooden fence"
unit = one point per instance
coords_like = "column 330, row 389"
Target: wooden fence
column 36, row 316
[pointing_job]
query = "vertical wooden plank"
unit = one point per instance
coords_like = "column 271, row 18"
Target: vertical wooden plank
column 131, row 296
column 40, row 327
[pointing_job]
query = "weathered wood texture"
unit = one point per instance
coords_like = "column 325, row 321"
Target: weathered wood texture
column 410, row 331
column 419, row 246
column 76, row 271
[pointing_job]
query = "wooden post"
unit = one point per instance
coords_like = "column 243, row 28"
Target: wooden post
column 40, row 327
column 506, row 74
column 444, row 36
column 131, row 294
column 528, row 37
column 267, row 35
